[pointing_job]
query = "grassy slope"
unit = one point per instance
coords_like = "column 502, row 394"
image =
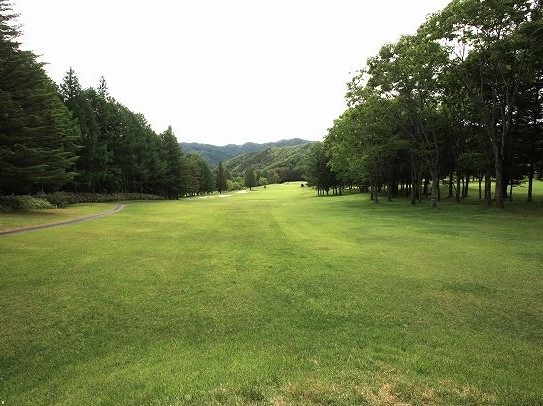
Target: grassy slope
column 278, row 297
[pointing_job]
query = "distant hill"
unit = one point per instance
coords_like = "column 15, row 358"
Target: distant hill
column 284, row 160
column 213, row 154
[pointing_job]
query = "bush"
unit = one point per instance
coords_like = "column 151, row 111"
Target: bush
column 235, row 184
column 22, row 203
column 63, row 199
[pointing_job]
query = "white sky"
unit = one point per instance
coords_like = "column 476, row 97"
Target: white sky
column 220, row 71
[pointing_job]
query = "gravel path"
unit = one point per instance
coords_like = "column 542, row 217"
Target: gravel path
column 26, row 229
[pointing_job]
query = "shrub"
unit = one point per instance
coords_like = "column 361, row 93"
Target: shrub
column 235, row 184
column 22, row 203
column 63, row 199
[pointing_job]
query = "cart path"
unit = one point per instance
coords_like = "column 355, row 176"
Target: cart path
column 113, row 210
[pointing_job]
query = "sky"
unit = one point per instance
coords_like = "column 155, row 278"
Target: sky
column 220, row 71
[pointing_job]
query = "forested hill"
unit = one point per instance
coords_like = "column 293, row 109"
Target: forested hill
column 276, row 159
column 213, row 154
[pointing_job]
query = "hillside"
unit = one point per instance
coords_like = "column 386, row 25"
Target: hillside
column 214, row 154
column 269, row 159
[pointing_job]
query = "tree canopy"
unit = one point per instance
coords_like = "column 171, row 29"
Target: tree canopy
column 80, row 140
column 460, row 98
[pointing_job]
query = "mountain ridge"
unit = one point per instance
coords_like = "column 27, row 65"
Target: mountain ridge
column 277, row 164
column 213, row 154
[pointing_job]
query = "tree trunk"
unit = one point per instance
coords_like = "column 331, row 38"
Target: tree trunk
column 511, row 189
column 488, row 188
column 419, row 185
column 389, row 191
column 435, row 191
column 466, row 191
column 414, row 181
column 480, row 181
column 425, row 187
column 530, row 182
column 458, row 190
column 451, row 195
column 498, row 163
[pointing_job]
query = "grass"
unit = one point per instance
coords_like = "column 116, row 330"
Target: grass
column 18, row 219
column 277, row 297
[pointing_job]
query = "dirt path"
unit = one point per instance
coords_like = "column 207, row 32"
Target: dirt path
column 26, row 229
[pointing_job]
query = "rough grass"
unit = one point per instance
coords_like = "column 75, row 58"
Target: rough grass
column 277, row 297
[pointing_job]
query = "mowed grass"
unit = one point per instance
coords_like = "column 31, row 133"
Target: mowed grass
column 277, row 297
column 18, row 219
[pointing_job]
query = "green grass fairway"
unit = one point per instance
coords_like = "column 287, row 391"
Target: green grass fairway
column 277, row 297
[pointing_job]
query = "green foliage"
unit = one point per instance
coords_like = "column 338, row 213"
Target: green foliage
column 37, row 136
column 221, row 180
column 235, row 183
column 24, row 203
column 317, row 170
column 213, row 154
column 63, row 199
column 173, row 176
column 461, row 93
column 284, row 161
column 250, row 180
column 197, row 176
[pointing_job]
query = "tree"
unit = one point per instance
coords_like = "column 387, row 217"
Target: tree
column 317, row 171
column 221, row 180
column 173, row 176
column 407, row 72
column 38, row 138
column 363, row 144
column 205, row 175
column 484, row 41
column 70, row 89
column 250, row 178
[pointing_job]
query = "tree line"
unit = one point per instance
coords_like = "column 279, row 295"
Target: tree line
column 81, row 140
column 459, row 100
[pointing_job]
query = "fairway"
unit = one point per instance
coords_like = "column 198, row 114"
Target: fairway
column 277, row 297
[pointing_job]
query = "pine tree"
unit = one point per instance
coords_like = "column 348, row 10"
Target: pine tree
column 102, row 89
column 38, row 138
column 70, row 89
column 173, row 177
column 222, row 178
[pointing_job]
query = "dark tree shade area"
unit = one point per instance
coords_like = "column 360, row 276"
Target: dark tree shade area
column 81, row 140
column 458, row 101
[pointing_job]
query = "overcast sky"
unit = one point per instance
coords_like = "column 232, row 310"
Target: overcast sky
column 220, row 71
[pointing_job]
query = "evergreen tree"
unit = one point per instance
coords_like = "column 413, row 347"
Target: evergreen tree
column 70, row 89
column 38, row 139
column 102, row 89
column 206, row 175
column 173, row 176
column 222, row 178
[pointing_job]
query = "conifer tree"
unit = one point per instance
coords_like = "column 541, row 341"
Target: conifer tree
column 222, row 178
column 38, row 138
column 173, row 177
